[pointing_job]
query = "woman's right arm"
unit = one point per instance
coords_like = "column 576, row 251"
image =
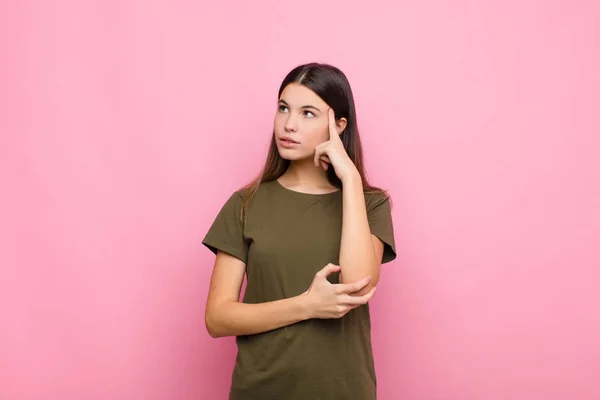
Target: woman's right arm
column 227, row 316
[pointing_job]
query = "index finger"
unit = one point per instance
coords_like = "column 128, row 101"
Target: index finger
column 333, row 133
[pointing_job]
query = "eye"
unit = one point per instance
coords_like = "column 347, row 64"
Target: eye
column 309, row 114
column 282, row 108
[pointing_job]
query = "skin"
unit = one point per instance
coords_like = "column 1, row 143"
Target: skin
column 307, row 119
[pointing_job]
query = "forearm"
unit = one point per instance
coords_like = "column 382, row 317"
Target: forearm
column 357, row 254
column 233, row 318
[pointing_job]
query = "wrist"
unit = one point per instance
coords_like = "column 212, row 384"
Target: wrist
column 352, row 179
column 304, row 309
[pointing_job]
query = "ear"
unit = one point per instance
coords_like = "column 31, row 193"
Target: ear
column 341, row 125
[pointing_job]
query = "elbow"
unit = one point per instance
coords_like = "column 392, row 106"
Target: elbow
column 214, row 333
column 212, row 326
column 211, row 329
column 373, row 274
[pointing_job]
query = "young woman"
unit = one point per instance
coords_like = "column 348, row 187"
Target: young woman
column 310, row 235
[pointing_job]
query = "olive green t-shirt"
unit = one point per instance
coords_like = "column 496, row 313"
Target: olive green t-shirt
column 288, row 236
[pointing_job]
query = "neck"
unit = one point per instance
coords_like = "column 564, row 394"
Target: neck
column 304, row 174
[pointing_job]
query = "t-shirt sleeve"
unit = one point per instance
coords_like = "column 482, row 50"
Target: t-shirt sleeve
column 226, row 232
column 379, row 214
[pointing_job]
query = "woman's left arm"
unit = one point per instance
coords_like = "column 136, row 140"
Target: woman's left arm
column 361, row 252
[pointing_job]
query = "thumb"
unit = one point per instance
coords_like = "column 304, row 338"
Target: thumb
column 328, row 269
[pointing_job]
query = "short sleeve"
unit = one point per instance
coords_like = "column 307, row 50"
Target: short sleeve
column 226, row 232
column 379, row 214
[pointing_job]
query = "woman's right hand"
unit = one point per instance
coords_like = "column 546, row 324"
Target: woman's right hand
column 327, row 300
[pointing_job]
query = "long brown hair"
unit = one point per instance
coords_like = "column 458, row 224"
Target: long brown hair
column 331, row 84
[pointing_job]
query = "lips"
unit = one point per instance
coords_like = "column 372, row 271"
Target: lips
column 288, row 140
column 288, row 143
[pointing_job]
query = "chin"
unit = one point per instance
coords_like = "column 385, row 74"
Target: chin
column 286, row 156
column 290, row 155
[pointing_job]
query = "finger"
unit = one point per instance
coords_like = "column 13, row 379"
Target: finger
column 323, row 146
column 354, row 286
column 326, row 159
column 359, row 300
column 316, row 158
column 333, row 133
column 328, row 269
column 319, row 152
column 343, row 310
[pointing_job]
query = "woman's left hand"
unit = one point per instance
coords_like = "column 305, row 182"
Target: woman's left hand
column 333, row 152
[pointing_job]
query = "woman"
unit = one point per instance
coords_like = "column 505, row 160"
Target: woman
column 310, row 234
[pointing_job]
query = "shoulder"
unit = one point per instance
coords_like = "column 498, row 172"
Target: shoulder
column 245, row 192
column 234, row 200
column 237, row 196
column 376, row 198
column 248, row 193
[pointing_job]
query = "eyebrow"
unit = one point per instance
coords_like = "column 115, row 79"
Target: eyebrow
column 303, row 107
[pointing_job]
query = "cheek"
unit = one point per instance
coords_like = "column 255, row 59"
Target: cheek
column 319, row 134
column 278, row 123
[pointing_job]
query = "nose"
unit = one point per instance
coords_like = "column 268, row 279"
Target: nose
column 291, row 124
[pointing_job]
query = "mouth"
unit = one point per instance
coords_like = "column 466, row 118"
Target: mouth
column 288, row 141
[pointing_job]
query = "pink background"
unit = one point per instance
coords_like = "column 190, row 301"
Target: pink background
column 124, row 125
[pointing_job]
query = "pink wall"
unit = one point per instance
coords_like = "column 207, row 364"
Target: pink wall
column 124, row 125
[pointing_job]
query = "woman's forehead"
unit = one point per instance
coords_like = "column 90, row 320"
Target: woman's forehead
column 297, row 95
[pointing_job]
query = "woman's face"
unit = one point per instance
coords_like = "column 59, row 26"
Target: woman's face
column 301, row 122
